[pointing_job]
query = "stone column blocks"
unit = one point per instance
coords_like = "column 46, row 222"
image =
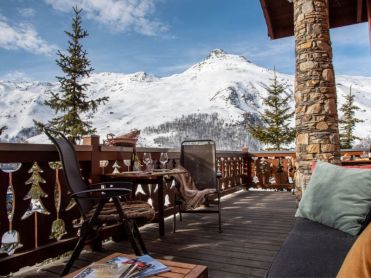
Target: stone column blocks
column 315, row 91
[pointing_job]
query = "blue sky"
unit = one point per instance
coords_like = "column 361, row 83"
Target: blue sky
column 162, row 37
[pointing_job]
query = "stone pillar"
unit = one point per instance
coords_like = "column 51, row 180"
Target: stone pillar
column 315, row 92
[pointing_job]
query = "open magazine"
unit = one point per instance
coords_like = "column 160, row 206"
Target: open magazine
column 123, row 267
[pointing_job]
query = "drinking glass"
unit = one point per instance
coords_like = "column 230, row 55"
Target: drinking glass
column 103, row 164
column 147, row 159
column 164, row 159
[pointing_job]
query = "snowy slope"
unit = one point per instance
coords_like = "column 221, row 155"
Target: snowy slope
column 226, row 84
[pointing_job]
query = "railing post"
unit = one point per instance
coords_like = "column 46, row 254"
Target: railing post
column 247, row 158
column 93, row 141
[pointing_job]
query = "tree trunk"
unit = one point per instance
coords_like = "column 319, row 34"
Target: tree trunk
column 315, row 92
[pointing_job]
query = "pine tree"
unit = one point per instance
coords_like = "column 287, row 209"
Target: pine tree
column 348, row 121
column 274, row 129
column 72, row 99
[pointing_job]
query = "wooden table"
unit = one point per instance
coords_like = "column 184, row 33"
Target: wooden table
column 148, row 178
column 176, row 269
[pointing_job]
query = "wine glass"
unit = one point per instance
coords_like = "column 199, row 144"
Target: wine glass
column 127, row 163
column 103, row 164
column 147, row 159
column 163, row 159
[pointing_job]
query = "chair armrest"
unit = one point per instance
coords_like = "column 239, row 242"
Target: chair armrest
column 107, row 193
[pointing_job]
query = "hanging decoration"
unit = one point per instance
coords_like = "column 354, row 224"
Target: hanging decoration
column 35, row 194
column 58, row 228
column 116, row 168
column 10, row 240
column 255, row 178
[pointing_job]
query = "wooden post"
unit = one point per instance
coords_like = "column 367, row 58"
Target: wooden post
column 369, row 19
column 247, row 179
column 93, row 140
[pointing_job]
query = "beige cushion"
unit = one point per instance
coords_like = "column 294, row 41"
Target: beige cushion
column 131, row 209
column 357, row 263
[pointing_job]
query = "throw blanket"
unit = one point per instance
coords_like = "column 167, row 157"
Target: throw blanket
column 189, row 192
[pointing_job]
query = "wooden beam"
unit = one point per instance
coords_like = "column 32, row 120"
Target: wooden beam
column 359, row 10
column 267, row 18
column 369, row 19
column 328, row 13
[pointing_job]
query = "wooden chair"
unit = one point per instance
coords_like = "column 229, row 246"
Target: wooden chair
column 99, row 206
column 198, row 157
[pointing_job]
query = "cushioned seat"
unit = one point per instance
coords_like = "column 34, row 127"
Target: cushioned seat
column 132, row 210
column 311, row 250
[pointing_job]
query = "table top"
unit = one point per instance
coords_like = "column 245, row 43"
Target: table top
column 177, row 269
column 146, row 175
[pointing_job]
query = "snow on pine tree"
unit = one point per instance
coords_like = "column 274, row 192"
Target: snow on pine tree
column 72, row 99
column 348, row 121
column 274, row 130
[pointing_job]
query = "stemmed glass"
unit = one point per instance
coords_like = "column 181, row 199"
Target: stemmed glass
column 127, row 163
column 103, row 164
column 163, row 160
column 147, row 159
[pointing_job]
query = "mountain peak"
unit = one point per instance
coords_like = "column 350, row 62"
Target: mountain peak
column 142, row 76
column 216, row 53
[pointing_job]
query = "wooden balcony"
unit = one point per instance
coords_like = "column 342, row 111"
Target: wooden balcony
column 36, row 211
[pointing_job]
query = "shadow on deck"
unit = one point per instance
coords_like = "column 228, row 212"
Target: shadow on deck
column 255, row 224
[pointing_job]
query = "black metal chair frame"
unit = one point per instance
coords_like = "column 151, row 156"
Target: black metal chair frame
column 215, row 200
column 99, row 196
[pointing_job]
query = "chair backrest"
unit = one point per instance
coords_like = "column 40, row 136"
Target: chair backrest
column 71, row 166
column 199, row 158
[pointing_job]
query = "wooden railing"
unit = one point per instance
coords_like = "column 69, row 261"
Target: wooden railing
column 37, row 219
column 276, row 170
column 273, row 170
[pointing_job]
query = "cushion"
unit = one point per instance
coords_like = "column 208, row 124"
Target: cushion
column 311, row 250
column 337, row 197
column 358, row 261
column 131, row 209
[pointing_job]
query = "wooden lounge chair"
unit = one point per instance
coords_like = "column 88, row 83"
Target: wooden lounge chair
column 198, row 157
column 94, row 202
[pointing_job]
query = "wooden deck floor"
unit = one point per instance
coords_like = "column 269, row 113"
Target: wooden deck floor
column 254, row 226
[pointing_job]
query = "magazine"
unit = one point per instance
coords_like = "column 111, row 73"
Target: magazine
column 140, row 267
column 97, row 270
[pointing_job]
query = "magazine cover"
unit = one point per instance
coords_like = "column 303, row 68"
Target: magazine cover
column 97, row 270
column 134, row 267
column 155, row 266
column 141, row 267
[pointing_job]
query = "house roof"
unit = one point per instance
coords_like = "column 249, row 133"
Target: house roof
column 279, row 15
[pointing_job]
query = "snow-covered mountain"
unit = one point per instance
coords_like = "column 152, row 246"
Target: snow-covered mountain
column 212, row 99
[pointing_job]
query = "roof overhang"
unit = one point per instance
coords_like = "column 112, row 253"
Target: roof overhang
column 279, row 15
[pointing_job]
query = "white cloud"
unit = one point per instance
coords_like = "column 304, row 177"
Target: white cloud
column 353, row 35
column 174, row 68
column 16, row 76
column 23, row 36
column 117, row 15
column 26, row 12
column 269, row 53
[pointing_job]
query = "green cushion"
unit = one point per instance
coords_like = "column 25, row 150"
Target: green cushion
column 337, row 197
